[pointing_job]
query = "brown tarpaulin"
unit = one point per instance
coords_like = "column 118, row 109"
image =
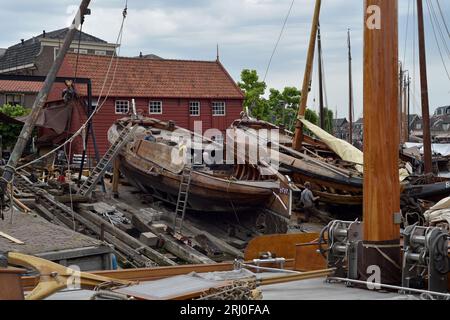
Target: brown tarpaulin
column 55, row 117
column 7, row 119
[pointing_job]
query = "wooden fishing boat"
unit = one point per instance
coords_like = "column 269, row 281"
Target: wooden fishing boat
column 156, row 165
column 335, row 181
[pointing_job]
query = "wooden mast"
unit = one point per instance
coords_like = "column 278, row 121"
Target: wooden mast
column 381, row 136
column 41, row 99
column 408, row 84
column 428, row 166
column 298, row 137
column 405, row 109
column 350, row 90
column 319, row 59
column 400, row 103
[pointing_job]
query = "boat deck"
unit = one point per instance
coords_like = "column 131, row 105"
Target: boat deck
column 318, row 289
column 313, row 289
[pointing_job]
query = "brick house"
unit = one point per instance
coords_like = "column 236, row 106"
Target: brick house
column 18, row 92
column 439, row 125
column 179, row 90
column 35, row 57
column 340, row 128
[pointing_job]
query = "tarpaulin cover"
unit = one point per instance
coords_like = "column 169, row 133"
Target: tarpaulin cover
column 55, row 117
column 7, row 119
column 439, row 213
column 343, row 149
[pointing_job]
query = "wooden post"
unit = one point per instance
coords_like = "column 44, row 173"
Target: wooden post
column 424, row 88
column 116, row 177
column 298, row 137
column 381, row 136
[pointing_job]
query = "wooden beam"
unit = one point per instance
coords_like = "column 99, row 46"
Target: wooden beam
column 116, row 177
column 182, row 251
column 11, row 238
column 126, row 238
column 298, row 137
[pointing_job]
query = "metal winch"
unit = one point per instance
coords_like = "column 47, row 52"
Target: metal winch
column 342, row 240
column 425, row 258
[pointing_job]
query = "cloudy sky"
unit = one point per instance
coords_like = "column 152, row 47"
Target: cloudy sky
column 246, row 31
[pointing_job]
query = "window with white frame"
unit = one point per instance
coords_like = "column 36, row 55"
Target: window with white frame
column 13, row 99
column 81, row 51
column 194, row 108
column 155, row 107
column 218, row 108
column 122, row 106
column 100, row 52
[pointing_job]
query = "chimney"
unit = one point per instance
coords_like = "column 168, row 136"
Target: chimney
column 43, row 34
column 22, row 40
column 141, row 55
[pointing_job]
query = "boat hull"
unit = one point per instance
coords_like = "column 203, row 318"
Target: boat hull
column 206, row 193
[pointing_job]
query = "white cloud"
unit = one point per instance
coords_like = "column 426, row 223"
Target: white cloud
column 245, row 29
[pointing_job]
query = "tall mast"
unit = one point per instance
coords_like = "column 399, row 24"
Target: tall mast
column 408, row 86
column 41, row 99
column 424, row 88
column 319, row 51
column 298, row 137
column 400, row 103
column 381, row 131
column 350, row 89
column 405, row 108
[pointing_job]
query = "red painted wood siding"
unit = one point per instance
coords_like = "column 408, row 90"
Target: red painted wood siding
column 172, row 109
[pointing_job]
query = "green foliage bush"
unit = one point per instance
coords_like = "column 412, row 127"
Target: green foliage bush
column 10, row 132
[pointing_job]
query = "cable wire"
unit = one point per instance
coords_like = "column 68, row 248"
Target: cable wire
column 279, row 39
column 437, row 41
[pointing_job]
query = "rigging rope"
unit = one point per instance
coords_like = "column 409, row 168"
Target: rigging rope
column 99, row 105
column 439, row 27
column 443, row 18
column 436, row 38
column 279, row 39
column 407, row 29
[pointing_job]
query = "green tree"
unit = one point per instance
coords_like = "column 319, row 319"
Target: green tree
column 284, row 106
column 328, row 121
column 312, row 116
column 10, row 132
column 254, row 90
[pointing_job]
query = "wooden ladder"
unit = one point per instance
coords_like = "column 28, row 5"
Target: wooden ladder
column 90, row 184
column 183, row 196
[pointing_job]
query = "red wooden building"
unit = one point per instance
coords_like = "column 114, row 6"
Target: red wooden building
column 179, row 90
